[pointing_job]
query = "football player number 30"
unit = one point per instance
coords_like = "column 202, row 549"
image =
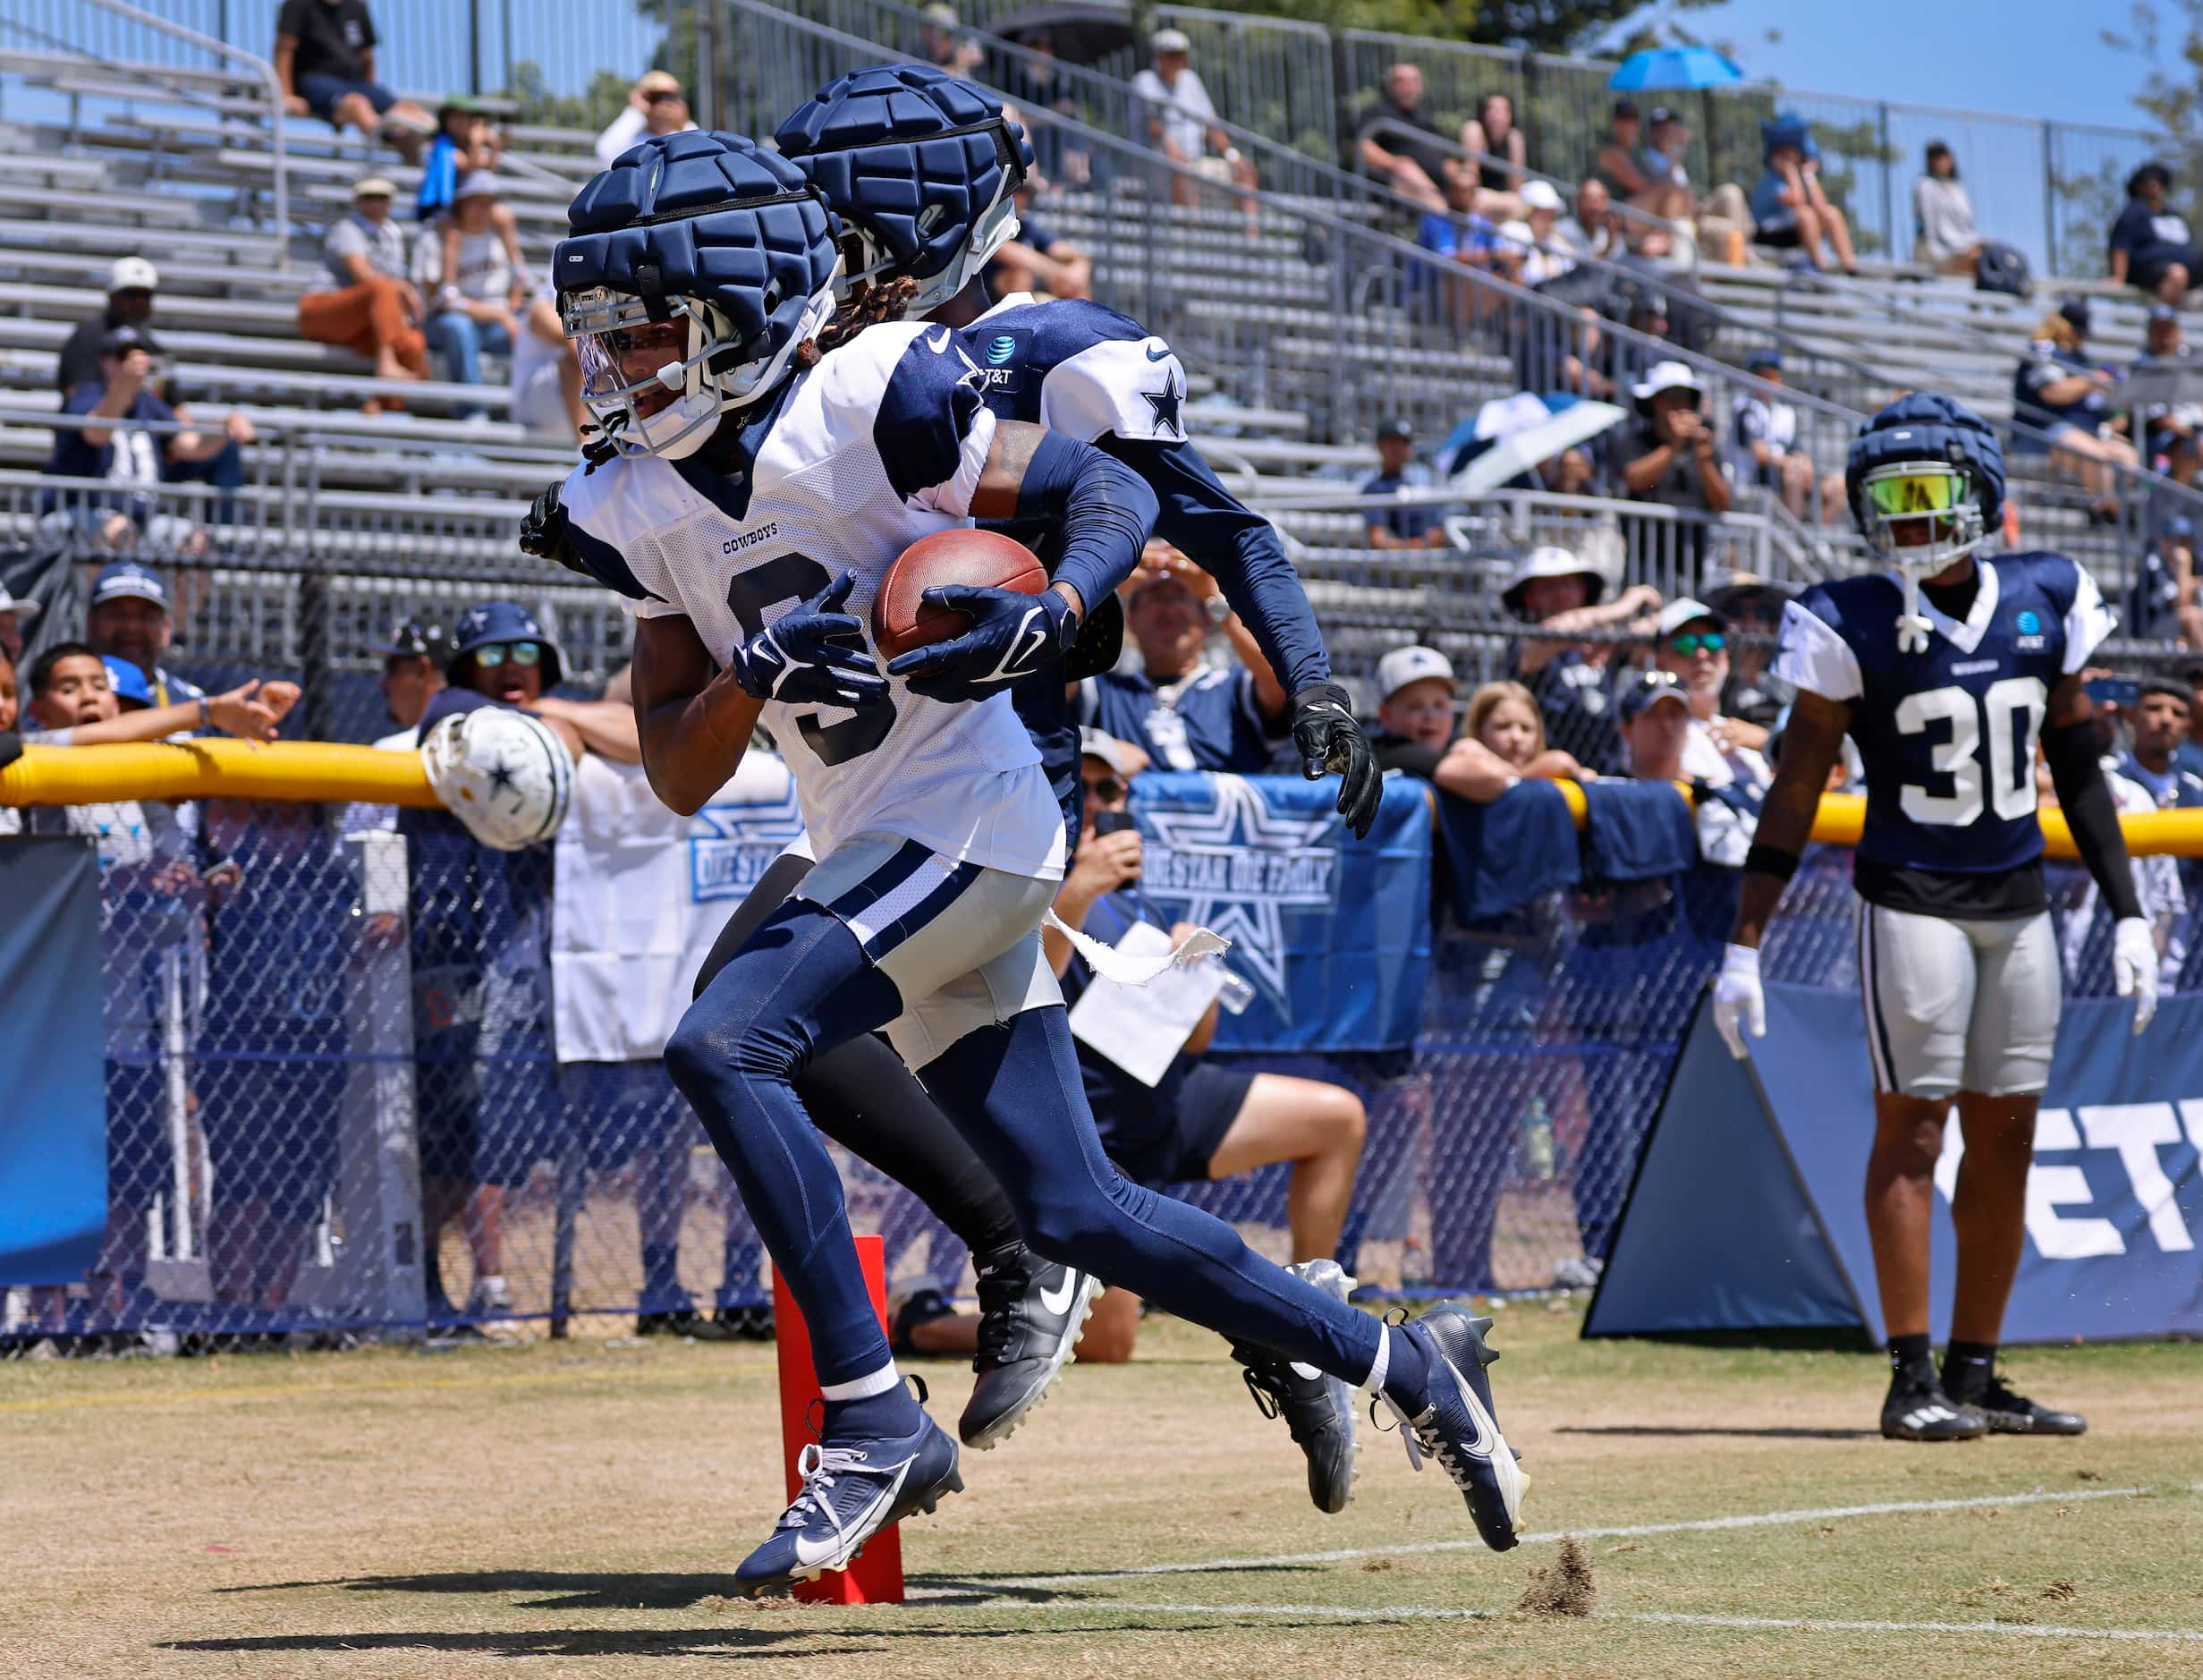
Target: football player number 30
column 2008, row 714
column 766, row 591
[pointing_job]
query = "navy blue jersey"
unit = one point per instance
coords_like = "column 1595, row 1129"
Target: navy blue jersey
column 1100, row 378
column 1947, row 737
column 1209, row 721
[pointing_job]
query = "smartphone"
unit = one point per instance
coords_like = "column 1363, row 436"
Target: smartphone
column 2114, row 691
column 1113, row 822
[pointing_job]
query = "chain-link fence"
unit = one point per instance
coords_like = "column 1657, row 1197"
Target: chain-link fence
column 334, row 1108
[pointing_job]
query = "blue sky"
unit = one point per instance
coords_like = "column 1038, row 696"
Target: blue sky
column 2035, row 58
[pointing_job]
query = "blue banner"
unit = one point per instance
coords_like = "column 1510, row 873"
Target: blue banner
column 2114, row 1201
column 53, row 1123
column 1333, row 932
column 1505, row 853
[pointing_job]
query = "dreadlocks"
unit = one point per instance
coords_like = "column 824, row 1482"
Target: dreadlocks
column 882, row 301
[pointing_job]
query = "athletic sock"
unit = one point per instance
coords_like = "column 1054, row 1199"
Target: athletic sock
column 1402, row 1374
column 1909, row 1357
column 887, row 1415
column 1967, row 1368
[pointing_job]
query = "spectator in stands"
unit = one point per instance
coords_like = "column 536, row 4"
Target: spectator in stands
column 1179, row 118
column 2163, row 601
column 653, row 107
column 2171, row 433
column 1665, row 191
column 1558, row 592
column 373, row 309
column 466, row 142
column 1461, row 235
column 325, row 59
column 1568, row 357
column 1754, row 609
column 1396, row 141
column 1545, row 256
column 124, row 455
column 1497, row 169
column 1726, row 755
column 250, row 711
column 474, row 275
column 1593, row 227
column 1619, row 164
column 546, row 374
column 1791, row 212
column 1656, row 725
column 1039, row 260
column 1768, row 453
column 1405, row 525
column 1202, row 1120
column 1182, row 713
column 14, row 614
column 2061, row 393
column 1502, row 737
column 2163, row 718
column 2151, row 247
column 129, row 619
column 411, row 678
column 132, row 285
column 1942, row 216
column 1674, row 462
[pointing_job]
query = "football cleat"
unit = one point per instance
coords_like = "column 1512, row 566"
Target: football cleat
column 1453, row 1420
column 2008, row 1413
column 1030, row 1312
column 1919, row 1409
column 850, row 1492
column 1318, row 1409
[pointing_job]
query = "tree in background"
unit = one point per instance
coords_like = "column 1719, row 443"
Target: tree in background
column 2088, row 176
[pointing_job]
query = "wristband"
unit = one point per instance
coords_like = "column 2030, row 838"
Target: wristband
column 1764, row 860
column 206, row 714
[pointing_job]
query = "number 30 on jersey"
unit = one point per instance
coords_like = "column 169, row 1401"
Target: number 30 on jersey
column 2007, row 716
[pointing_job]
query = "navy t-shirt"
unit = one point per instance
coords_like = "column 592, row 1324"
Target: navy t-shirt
column 2046, row 365
column 1409, row 520
column 2149, row 237
column 139, row 460
column 1209, row 721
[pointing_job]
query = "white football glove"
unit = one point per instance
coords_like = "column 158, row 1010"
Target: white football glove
column 2134, row 966
column 1740, row 1005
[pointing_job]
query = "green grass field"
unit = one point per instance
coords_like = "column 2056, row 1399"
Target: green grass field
column 571, row 1508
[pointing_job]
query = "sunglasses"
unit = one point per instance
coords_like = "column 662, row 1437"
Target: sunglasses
column 1712, row 641
column 520, row 653
column 1108, row 789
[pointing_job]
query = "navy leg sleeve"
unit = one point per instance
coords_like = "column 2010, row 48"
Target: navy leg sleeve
column 1016, row 1090
column 799, row 987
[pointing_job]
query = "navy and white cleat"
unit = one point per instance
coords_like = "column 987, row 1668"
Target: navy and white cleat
column 1030, row 1314
column 1458, row 1425
column 850, row 1493
column 1318, row 1410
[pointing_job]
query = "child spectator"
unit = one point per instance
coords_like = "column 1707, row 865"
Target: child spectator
column 1944, row 215
column 325, row 59
column 373, row 309
column 2151, row 248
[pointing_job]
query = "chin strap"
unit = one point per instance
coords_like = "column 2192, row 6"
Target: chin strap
column 1913, row 630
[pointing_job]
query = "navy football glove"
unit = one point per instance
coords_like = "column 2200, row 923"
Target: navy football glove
column 814, row 656
column 1328, row 739
column 1012, row 635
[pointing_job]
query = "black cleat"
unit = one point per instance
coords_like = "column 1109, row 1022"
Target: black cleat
column 1030, row 1311
column 2008, row 1413
column 1318, row 1410
column 684, row 1321
column 1917, row 1409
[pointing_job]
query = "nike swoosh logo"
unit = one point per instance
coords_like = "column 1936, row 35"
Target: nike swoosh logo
column 1059, row 1302
column 1159, row 355
column 861, row 1525
column 1487, row 1433
column 938, row 346
column 1014, row 662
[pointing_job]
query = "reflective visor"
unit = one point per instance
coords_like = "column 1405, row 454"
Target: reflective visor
column 1916, row 491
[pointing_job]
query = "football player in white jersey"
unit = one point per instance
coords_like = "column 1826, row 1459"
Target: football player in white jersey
column 752, row 503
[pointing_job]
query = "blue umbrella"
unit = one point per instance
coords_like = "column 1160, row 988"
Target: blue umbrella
column 1674, row 67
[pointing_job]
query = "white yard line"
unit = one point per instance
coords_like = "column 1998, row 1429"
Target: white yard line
column 1763, row 1519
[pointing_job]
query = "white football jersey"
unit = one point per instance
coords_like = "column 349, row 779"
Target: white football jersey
column 881, row 444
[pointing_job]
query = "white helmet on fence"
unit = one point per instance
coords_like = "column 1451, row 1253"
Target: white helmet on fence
column 503, row 772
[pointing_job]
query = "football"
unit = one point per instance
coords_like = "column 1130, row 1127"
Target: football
column 901, row 617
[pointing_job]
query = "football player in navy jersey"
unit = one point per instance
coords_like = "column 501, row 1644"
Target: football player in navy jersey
column 1945, row 671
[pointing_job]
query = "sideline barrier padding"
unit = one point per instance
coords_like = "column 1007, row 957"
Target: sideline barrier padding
column 215, row 768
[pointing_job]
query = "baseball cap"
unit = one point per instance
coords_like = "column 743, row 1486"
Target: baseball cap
column 1093, row 744
column 2161, row 312
column 1667, row 376
column 477, row 183
column 1764, row 359
column 374, row 187
column 132, row 274
column 1404, row 665
column 2075, row 311
column 414, row 638
column 1549, row 560
column 127, row 681
column 1541, row 195
column 2177, row 526
column 1625, row 107
column 121, row 579
column 501, row 621
column 1394, row 426
column 1171, row 41
column 1648, row 690
column 1675, row 615
column 118, row 340
column 21, row 609
column 1661, row 113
